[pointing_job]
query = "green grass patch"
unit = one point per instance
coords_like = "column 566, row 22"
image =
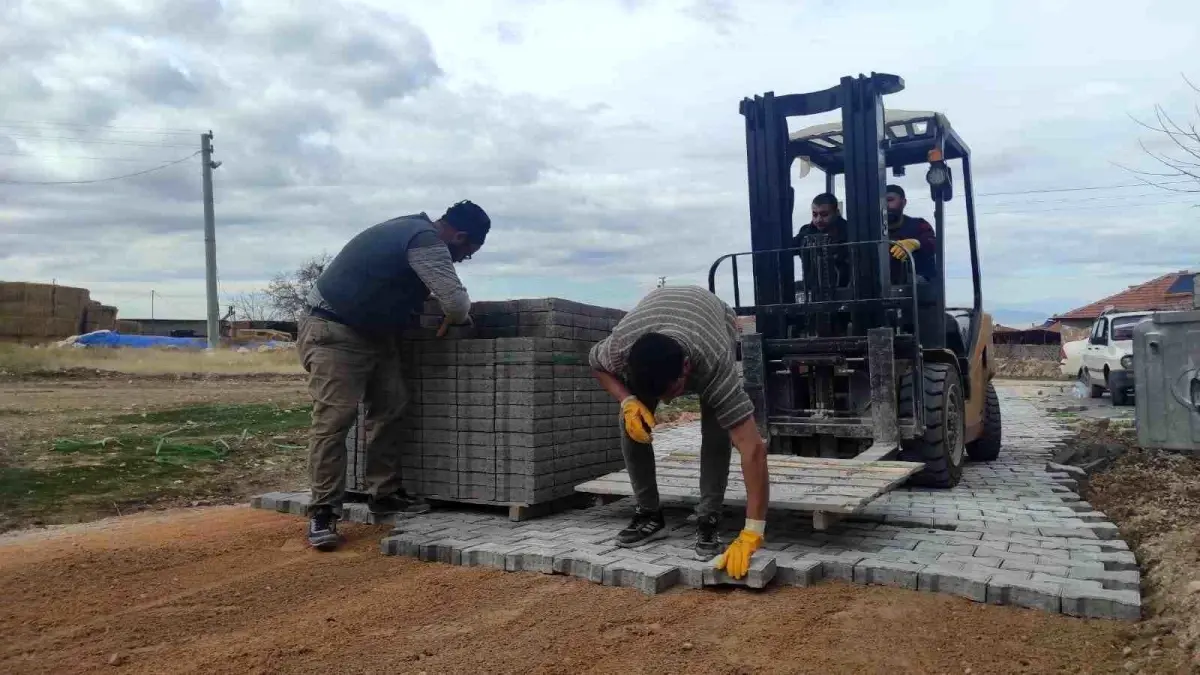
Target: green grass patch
column 217, row 420
column 26, row 489
column 146, row 458
column 690, row 403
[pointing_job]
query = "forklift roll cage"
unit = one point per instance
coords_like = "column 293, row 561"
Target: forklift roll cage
column 867, row 141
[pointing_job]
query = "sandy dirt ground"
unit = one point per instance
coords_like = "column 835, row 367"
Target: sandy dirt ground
column 226, row 589
column 232, row 590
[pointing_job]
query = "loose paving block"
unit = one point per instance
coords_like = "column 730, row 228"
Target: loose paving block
column 887, row 573
column 797, row 571
column 583, row 564
column 760, row 573
column 1084, row 601
column 1035, row 594
column 970, row 583
column 837, row 566
column 645, row 577
column 999, row 588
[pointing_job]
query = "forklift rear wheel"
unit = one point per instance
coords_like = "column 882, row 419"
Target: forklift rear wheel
column 941, row 449
column 987, row 447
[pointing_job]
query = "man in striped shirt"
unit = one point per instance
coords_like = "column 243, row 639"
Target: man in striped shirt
column 681, row 339
column 371, row 291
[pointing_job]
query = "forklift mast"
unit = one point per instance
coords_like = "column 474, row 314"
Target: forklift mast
column 772, row 198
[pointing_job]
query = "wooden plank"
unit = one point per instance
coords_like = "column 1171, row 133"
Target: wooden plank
column 782, row 490
column 791, row 477
column 808, row 461
column 878, row 451
column 828, row 488
column 834, row 465
column 733, row 496
column 826, row 474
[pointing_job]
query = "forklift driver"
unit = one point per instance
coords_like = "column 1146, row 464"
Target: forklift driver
column 913, row 236
column 827, row 229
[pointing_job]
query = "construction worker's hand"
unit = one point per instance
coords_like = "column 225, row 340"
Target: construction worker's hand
column 902, row 248
column 446, row 325
column 637, row 418
column 736, row 559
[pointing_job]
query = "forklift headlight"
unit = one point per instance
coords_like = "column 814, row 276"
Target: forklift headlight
column 937, row 175
column 1127, row 361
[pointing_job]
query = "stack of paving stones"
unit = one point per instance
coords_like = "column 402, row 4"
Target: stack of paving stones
column 505, row 411
column 1013, row 532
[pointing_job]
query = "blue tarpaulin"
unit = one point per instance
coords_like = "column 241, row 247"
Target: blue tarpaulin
column 114, row 339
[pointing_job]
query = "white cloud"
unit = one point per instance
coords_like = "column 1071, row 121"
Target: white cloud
column 603, row 138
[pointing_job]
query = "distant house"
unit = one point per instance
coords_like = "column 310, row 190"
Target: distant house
column 1038, row 335
column 175, row 327
column 1166, row 293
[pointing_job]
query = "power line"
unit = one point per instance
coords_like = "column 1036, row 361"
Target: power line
column 136, row 144
column 106, row 159
column 111, row 127
column 100, row 180
column 1100, row 207
column 1075, row 189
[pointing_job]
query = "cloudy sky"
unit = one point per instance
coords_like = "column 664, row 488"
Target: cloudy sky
column 603, row 137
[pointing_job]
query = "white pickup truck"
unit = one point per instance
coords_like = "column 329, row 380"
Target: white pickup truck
column 1106, row 361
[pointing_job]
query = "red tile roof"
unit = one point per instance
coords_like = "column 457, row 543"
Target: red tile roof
column 1151, row 295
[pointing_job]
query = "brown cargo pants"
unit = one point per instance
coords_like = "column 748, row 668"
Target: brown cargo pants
column 343, row 368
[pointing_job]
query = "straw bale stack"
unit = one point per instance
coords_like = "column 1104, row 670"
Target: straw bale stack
column 41, row 312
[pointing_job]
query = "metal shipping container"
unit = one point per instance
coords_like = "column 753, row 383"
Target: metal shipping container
column 1166, row 364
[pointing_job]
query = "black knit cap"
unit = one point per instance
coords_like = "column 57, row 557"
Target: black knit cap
column 468, row 218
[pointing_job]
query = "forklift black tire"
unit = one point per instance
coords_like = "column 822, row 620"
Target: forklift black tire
column 987, row 447
column 941, row 449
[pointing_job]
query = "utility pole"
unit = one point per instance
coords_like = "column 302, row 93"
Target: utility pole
column 210, row 240
column 152, row 305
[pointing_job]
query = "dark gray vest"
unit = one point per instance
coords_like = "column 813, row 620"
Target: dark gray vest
column 370, row 284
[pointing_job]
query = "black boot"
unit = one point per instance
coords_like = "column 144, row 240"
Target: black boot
column 646, row 526
column 322, row 529
column 396, row 503
column 708, row 544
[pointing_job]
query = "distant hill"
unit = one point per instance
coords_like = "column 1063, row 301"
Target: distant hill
column 1017, row 317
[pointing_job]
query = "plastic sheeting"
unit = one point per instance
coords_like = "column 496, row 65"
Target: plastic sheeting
column 104, row 338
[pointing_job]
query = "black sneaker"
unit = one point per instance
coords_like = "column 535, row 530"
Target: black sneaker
column 646, row 526
column 322, row 529
column 397, row 503
column 708, row 544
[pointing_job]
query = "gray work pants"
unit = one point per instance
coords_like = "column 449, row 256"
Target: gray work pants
column 715, row 452
column 344, row 368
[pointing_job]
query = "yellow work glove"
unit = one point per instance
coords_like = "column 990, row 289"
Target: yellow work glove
column 902, row 248
column 637, row 418
column 736, row 559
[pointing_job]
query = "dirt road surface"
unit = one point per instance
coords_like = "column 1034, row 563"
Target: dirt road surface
column 233, row 590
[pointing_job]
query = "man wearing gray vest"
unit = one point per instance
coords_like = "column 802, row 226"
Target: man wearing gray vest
column 347, row 342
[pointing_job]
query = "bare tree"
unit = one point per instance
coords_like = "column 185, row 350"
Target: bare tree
column 256, row 306
column 1182, row 159
column 288, row 293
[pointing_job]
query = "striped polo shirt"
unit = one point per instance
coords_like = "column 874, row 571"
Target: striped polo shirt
column 707, row 330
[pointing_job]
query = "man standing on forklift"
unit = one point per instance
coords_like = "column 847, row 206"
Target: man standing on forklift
column 913, row 236
column 826, row 230
column 682, row 339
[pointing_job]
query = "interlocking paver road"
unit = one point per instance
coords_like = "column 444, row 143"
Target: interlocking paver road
column 1012, row 532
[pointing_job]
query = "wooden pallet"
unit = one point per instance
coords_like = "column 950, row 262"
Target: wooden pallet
column 829, row 488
